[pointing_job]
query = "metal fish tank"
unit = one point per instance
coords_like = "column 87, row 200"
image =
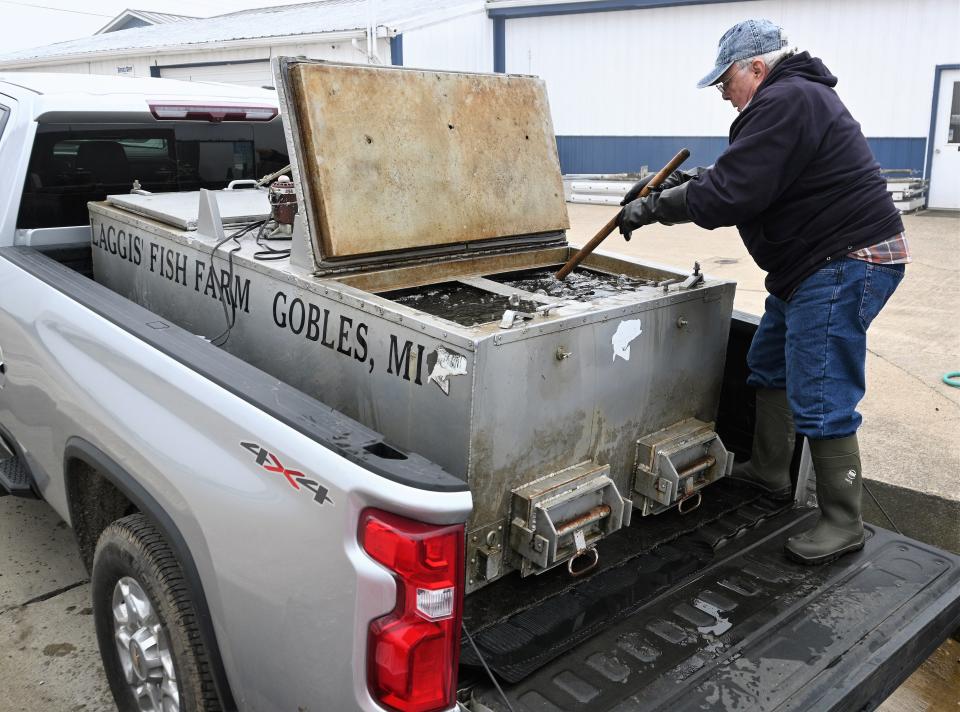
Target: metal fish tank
column 568, row 407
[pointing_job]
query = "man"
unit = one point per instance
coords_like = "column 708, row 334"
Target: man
column 801, row 185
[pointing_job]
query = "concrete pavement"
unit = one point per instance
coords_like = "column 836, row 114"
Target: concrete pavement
column 48, row 657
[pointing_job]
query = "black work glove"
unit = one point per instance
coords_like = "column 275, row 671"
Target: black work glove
column 667, row 207
column 671, row 181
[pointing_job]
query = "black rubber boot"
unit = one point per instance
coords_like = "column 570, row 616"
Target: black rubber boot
column 839, row 530
column 773, row 438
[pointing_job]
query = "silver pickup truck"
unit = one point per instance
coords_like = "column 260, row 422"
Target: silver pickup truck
column 338, row 440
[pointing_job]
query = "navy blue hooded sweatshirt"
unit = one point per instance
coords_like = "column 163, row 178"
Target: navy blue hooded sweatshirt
column 798, row 178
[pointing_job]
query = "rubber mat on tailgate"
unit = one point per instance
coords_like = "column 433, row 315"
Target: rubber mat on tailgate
column 520, row 624
column 756, row 632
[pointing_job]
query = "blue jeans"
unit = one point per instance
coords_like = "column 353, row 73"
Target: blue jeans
column 815, row 345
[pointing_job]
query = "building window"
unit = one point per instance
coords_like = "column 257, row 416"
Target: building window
column 953, row 130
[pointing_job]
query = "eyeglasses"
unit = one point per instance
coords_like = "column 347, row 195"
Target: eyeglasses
column 725, row 84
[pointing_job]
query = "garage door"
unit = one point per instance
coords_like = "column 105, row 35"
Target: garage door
column 252, row 74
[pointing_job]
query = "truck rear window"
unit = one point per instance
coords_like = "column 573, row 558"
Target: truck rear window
column 71, row 165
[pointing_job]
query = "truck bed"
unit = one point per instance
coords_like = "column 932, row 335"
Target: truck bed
column 753, row 631
column 714, row 617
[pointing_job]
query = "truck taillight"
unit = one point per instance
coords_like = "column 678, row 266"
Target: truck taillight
column 413, row 651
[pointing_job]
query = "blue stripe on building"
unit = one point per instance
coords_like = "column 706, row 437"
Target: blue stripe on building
column 499, row 45
column 626, row 154
column 899, row 152
column 396, row 50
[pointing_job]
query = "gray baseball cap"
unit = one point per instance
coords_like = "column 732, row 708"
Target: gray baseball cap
column 744, row 40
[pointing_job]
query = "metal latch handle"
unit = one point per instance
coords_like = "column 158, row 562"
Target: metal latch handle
column 232, row 185
column 696, row 498
column 591, row 552
column 697, row 466
column 545, row 309
column 589, row 517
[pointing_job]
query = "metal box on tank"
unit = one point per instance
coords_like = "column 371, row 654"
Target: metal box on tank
column 563, row 406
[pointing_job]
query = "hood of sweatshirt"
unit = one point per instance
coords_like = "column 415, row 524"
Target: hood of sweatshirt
column 800, row 65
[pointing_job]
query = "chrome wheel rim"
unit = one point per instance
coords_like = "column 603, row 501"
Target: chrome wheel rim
column 144, row 649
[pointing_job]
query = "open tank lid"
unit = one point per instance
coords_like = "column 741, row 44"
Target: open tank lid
column 391, row 160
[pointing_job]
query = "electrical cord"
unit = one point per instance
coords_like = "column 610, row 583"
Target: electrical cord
column 231, row 318
column 880, row 507
column 484, row 663
column 268, row 253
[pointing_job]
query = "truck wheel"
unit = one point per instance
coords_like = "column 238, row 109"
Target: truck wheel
column 146, row 626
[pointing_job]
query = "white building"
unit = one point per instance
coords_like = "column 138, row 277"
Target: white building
column 620, row 74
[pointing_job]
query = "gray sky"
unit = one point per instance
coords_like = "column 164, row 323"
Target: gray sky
column 34, row 23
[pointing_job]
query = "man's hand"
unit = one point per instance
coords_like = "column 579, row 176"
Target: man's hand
column 634, row 215
column 671, row 181
column 637, row 187
column 668, row 207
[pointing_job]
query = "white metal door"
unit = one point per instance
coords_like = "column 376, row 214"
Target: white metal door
column 945, row 165
column 253, row 74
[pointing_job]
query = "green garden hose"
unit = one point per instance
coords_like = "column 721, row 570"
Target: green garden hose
column 949, row 379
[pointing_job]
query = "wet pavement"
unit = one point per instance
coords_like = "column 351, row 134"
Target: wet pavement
column 49, row 659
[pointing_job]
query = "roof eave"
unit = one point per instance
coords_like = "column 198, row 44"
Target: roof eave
column 338, row 36
column 122, row 17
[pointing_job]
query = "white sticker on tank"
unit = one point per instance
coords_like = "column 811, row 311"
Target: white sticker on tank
column 448, row 364
column 626, row 332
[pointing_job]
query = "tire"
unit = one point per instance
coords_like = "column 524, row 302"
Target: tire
column 149, row 639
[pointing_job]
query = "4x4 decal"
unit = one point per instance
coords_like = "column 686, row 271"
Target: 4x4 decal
column 271, row 463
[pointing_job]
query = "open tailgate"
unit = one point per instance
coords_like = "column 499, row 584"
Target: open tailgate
column 753, row 631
